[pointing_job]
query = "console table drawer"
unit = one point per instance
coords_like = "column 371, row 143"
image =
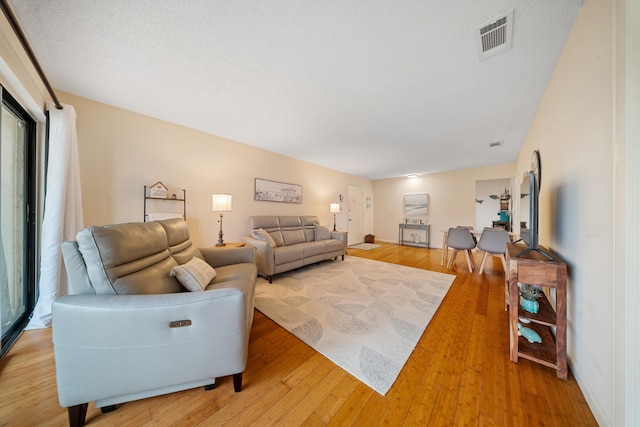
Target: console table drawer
column 537, row 274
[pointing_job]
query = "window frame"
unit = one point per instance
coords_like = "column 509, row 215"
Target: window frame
column 30, row 263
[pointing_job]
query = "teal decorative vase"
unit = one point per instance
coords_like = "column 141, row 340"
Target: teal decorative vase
column 531, row 306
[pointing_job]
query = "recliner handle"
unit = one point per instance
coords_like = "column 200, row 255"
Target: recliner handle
column 180, row 323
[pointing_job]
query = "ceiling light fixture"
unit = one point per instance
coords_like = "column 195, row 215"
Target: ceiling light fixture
column 412, row 175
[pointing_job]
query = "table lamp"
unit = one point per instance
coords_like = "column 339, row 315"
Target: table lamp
column 334, row 208
column 220, row 202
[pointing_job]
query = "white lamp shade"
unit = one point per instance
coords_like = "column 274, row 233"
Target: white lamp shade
column 334, row 208
column 221, row 202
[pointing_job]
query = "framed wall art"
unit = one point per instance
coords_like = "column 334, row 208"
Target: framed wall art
column 415, row 204
column 273, row 191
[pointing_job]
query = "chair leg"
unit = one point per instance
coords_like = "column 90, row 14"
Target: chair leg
column 77, row 414
column 452, row 258
column 504, row 262
column 468, row 254
column 484, row 258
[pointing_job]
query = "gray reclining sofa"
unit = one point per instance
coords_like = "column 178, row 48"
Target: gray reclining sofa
column 285, row 243
column 129, row 330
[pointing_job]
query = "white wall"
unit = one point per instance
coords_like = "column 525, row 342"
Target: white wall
column 451, row 200
column 487, row 208
column 121, row 151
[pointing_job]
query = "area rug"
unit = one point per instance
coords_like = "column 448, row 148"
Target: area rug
column 365, row 246
column 366, row 316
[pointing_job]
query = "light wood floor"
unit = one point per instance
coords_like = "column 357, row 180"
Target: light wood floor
column 459, row 374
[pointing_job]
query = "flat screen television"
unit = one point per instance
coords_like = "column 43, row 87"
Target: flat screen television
column 529, row 201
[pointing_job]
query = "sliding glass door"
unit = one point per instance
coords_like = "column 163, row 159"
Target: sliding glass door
column 17, row 218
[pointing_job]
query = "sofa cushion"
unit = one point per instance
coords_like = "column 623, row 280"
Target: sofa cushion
column 267, row 222
column 277, row 237
column 294, row 236
column 286, row 254
column 128, row 259
column 291, row 228
column 194, row 275
column 180, row 246
column 313, row 248
column 263, row 235
column 322, row 232
column 308, row 226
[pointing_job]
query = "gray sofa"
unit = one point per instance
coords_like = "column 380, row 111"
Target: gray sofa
column 130, row 330
column 285, row 243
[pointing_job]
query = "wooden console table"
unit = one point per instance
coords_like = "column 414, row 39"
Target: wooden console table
column 535, row 269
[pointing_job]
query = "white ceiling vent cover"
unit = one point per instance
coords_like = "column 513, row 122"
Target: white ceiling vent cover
column 495, row 36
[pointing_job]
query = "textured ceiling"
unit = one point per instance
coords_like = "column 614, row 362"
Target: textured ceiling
column 373, row 88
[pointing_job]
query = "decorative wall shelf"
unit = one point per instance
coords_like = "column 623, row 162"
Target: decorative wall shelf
column 148, row 196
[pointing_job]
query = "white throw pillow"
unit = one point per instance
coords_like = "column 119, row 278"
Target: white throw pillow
column 262, row 234
column 194, row 275
column 322, row 232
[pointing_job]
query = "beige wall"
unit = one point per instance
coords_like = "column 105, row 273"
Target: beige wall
column 121, row 151
column 574, row 131
column 452, row 198
column 581, row 212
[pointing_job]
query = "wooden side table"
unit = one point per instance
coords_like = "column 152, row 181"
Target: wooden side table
column 230, row 245
column 534, row 268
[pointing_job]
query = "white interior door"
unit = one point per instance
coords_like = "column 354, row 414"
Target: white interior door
column 354, row 218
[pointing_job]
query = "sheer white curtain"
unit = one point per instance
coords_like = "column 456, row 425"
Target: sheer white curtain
column 62, row 211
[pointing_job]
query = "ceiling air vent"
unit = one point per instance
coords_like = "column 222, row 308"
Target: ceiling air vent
column 496, row 144
column 495, row 36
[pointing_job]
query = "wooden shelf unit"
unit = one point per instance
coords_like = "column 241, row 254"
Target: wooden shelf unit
column 534, row 268
column 182, row 200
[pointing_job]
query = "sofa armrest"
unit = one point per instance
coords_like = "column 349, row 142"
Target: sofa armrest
column 340, row 235
column 103, row 344
column 217, row 257
column 265, row 260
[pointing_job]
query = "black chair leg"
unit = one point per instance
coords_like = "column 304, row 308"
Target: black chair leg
column 237, row 382
column 210, row 386
column 77, row 414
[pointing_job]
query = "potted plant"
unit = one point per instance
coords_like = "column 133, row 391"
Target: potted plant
column 528, row 296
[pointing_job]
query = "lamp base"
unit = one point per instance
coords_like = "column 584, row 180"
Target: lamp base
column 220, row 241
